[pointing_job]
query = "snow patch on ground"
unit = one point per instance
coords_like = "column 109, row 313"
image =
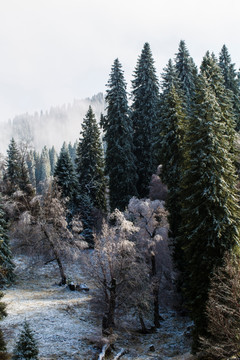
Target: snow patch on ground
column 64, row 326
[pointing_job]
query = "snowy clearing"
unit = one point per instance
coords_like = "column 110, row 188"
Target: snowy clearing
column 64, row 326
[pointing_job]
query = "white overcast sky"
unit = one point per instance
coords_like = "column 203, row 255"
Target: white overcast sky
column 55, row 51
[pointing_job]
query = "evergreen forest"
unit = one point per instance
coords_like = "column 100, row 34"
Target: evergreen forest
column 144, row 205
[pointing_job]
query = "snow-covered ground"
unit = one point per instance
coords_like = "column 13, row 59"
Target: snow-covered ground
column 63, row 323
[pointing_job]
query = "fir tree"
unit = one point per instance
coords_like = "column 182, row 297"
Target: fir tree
column 173, row 127
column 231, row 82
column 16, row 175
column 90, row 162
column 187, row 74
column 212, row 71
column 53, row 159
column 117, row 125
column 13, row 168
column 72, row 149
column 6, row 264
column 145, row 116
column 210, row 211
column 65, row 173
column 26, row 347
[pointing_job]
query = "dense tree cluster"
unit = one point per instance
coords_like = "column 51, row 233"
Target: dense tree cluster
column 188, row 123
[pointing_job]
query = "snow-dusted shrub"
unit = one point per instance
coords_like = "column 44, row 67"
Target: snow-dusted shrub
column 26, row 347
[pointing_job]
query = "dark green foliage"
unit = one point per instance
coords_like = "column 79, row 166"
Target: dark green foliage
column 210, row 211
column 231, row 82
column 13, row 164
column 26, row 347
column 173, row 127
column 16, row 175
column 90, row 162
column 65, row 174
column 187, row 74
column 117, row 125
column 212, row 71
column 145, row 116
column 73, row 151
column 6, row 264
column 53, row 159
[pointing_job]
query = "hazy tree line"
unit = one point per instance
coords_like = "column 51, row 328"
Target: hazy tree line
column 86, row 196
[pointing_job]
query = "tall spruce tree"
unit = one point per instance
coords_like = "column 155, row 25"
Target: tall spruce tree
column 187, row 74
column 117, row 125
column 212, row 71
column 6, row 263
column 65, row 174
column 13, row 168
column 90, row 162
column 16, row 174
column 210, row 211
column 231, row 82
column 173, row 127
column 53, row 159
column 145, row 116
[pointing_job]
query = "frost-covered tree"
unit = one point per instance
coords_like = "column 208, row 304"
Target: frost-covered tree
column 231, row 82
column 119, row 272
column 44, row 169
column 118, row 129
column 43, row 230
column 145, row 117
column 31, row 166
column 90, row 162
column 150, row 218
column 210, row 211
column 6, row 263
column 26, row 347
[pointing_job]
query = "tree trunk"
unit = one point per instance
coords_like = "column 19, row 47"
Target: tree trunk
column 143, row 326
column 155, row 283
column 112, row 304
column 57, row 257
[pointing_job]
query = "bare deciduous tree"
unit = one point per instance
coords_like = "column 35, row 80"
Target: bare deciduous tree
column 151, row 219
column 119, row 271
column 43, row 230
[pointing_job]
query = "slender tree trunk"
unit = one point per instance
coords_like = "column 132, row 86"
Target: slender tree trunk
column 112, row 304
column 155, row 292
column 57, row 257
column 143, row 326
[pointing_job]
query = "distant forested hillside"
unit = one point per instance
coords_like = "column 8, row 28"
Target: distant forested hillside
column 53, row 127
